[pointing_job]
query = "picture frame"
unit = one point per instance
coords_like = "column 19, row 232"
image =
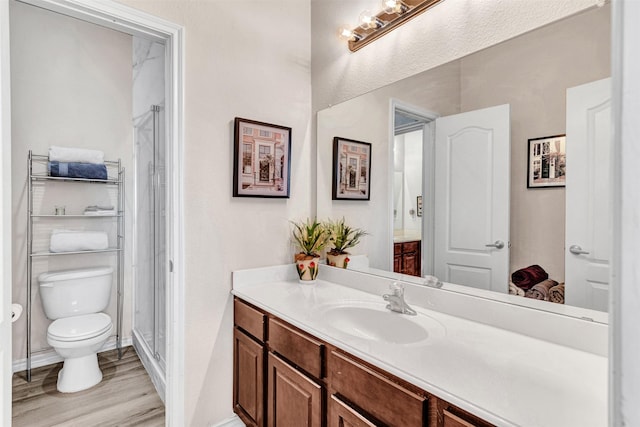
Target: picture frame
column 547, row 159
column 261, row 159
column 351, row 176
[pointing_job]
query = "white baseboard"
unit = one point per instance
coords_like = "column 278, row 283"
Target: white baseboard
column 49, row 356
column 234, row 421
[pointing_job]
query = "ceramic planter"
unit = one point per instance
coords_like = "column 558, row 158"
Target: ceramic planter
column 339, row 260
column 307, row 267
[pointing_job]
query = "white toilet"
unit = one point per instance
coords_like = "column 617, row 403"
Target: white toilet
column 74, row 299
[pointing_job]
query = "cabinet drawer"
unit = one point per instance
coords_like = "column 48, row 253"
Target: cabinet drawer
column 452, row 416
column 451, row 420
column 249, row 319
column 410, row 246
column 341, row 415
column 375, row 394
column 300, row 349
column 397, row 248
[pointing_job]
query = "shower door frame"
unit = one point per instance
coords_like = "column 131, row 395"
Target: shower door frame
column 125, row 19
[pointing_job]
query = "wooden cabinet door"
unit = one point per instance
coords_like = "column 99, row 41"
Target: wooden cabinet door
column 412, row 263
column 293, row 400
column 248, row 374
column 397, row 263
column 341, row 415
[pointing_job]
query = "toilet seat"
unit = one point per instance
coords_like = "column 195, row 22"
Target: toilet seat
column 79, row 328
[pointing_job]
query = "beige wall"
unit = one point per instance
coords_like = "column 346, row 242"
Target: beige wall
column 366, row 118
column 532, row 74
column 248, row 59
column 448, row 31
column 71, row 86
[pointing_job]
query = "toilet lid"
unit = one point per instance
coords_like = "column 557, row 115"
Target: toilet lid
column 79, row 327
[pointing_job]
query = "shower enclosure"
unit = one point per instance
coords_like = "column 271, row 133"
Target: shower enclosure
column 150, row 263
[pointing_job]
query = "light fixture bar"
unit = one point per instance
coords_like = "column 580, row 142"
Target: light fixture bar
column 391, row 20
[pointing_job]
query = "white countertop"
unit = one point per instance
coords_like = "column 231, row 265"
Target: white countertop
column 400, row 236
column 506, row 378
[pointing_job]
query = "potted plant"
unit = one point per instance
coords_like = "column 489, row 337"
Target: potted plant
column 311, row 238
column 343, row 237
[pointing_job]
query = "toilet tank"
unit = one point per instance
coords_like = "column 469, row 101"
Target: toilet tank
column 75, row 292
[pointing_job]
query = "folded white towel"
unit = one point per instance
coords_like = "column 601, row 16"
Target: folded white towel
column 74, row 241
column 102, row 212
column 81, row 155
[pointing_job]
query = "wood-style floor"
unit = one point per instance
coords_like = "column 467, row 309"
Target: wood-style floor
column 125, row 397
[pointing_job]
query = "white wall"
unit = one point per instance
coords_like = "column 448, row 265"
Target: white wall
column 412, row 179
column 248, row 59
column 71, row 86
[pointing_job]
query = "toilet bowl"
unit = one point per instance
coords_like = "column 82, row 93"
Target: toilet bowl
column 74, row 300
column 77, row 339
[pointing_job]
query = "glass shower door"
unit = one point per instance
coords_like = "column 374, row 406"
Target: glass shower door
column 150, row 298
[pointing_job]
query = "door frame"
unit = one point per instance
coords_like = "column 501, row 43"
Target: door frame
column 5, row 217
column 624, row 304
column 428, row 185
column 116, row 16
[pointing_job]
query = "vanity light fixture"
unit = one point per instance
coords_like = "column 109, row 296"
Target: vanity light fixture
column 393, row 14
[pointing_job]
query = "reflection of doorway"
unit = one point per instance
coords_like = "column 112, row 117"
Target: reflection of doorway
column 410, row 179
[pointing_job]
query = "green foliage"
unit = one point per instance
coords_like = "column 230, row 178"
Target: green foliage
column 342, row 236
column 310, row 236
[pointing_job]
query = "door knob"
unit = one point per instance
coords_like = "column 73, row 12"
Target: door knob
column 498, row 244
column 577, row 250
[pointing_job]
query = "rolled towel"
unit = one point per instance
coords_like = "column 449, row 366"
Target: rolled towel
column 514, row 290
column 74, row 241
column 556, row 294
column 541, row 290
column 525, row 278
column 77, row 155
column 77, row 170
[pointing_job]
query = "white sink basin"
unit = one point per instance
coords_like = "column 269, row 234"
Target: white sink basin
column 372, row 321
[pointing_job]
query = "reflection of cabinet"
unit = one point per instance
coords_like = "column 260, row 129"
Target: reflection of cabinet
column 38, row 182
column 290, row 378
column 406, row 258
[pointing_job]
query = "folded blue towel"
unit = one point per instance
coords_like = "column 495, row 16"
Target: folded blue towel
column 77, row 170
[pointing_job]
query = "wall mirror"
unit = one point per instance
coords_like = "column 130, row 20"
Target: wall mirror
column 452, row 164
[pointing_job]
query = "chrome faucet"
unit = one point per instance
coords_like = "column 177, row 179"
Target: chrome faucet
column 396, row 300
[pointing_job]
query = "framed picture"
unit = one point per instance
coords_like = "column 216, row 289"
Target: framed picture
column 547, row 162
column 261, row 159
column 351, row 169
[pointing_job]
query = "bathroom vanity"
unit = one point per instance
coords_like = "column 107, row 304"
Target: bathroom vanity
column 332, row 354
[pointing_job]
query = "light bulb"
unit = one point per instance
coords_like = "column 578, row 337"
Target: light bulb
column 344, row 33
column 369, row 20
column 394, row 6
